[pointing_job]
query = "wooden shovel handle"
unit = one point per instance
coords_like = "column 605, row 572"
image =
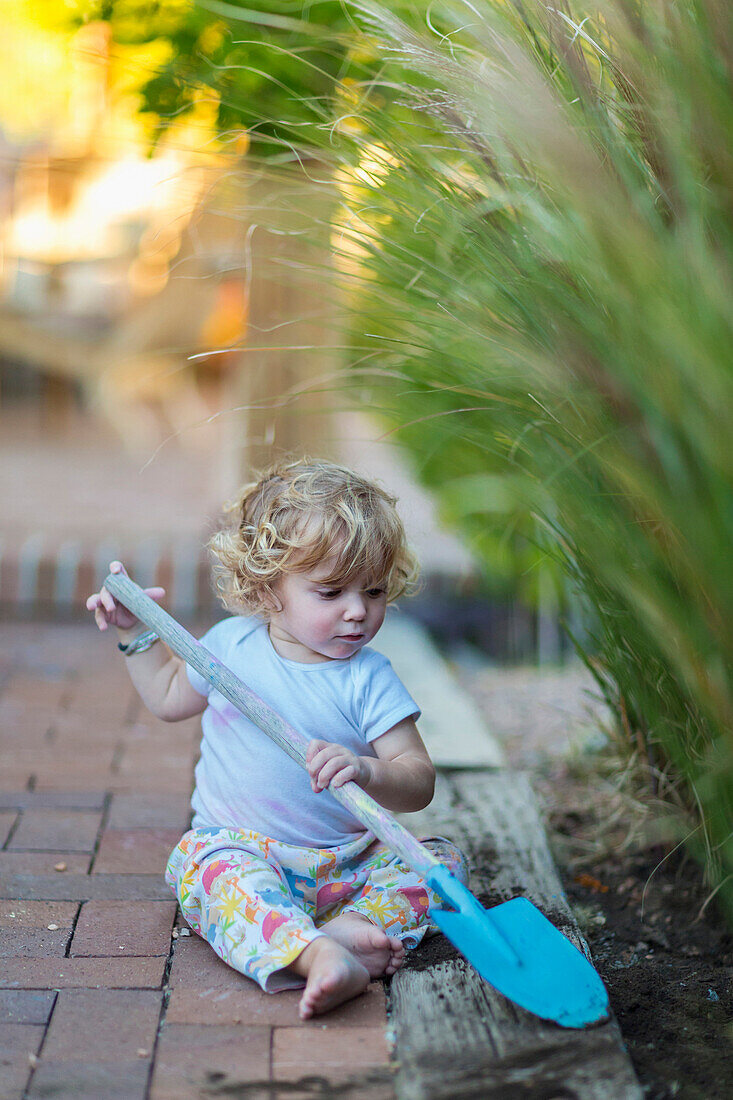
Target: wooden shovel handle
column 362, row 806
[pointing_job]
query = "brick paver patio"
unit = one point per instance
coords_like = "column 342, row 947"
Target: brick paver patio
column 102, row 993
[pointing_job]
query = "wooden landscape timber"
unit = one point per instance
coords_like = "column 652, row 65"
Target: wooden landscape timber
column 455, row 1036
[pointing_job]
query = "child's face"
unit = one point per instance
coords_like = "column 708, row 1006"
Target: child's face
column 320, row 621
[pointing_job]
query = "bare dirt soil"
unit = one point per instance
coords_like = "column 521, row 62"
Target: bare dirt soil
column 668, row 971
column 659, row 942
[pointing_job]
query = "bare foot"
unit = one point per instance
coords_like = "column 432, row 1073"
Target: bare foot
column 378, row 952
column 332, row 975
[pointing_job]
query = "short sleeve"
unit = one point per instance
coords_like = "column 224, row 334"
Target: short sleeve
column 384, row 699
column 218, row 641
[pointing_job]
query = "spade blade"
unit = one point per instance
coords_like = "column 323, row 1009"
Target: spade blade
column 518, row 951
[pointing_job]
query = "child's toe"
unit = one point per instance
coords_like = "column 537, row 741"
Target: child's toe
column 376, row 937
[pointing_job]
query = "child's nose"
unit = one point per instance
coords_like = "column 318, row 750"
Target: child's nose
column 355, row 608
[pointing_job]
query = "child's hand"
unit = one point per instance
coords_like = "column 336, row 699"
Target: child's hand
column 330, row 763
column 108, row 612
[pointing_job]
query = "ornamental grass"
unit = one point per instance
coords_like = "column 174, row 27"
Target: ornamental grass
column 537, row 226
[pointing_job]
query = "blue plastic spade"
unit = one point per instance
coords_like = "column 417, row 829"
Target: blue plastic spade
column 516, row 949
column 513, row 946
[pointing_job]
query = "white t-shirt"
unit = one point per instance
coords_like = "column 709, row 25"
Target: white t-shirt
column 243, row 779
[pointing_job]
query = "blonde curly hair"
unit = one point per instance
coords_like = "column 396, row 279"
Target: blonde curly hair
column 301, row 514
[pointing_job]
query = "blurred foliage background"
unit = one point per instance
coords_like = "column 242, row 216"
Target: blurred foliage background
column 534, row 242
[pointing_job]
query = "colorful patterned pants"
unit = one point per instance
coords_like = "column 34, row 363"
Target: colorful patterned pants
column 259, row 903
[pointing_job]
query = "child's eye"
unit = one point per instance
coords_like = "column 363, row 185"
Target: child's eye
column 375, row 593
column 329, row 593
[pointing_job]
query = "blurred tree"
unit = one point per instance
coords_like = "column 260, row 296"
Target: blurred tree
column 271, row 71
column 265, row 79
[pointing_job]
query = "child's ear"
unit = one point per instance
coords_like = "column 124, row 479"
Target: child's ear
column 270, row 602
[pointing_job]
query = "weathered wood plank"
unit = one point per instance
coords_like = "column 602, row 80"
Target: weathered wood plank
column 451, row 726
column 493, row 818
column 455, row 1035
column 457, row 1039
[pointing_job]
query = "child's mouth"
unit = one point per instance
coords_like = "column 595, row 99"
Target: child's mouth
column 350, row 637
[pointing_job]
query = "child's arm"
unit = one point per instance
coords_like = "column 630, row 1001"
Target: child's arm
column 401, row 778
column 158, row 675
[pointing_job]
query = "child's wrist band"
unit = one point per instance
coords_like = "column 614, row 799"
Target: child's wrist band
column 140, row 644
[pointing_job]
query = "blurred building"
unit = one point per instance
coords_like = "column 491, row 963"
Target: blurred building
column 110, row 265
column 123, row 309
column 166, row 323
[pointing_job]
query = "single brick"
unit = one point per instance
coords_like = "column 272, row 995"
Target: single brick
column 114, row 1024
column 84, row 1081
column 56, row 773
column 44, row 863
column 36, row 690
column 73, row 887
column 120, row 928
column 149, row 737
column 138, row 769
column 204, row 987
column 18, row 1044
column 140, row 757
column 104, row 717
column 86, row 582
column 7, row 820
column 83, row 745
column 22, row 749
column 23, row 760
column 15, row 913
column 135, row 851
column 248, row 1005
column 52, row 800
column 9, row 580
column 166, row 781
column 13, row 776
column 21, row 721
column 335, row 1053
column 106, row 687
column 67, row 830
column 33, row 943
column 25, row 1006
column 148, row 811
column 186, row 732
column 196, row 966
column 82, row 973
column 195, row 1060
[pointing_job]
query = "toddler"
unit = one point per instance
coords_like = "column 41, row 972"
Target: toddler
column 283, row 881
